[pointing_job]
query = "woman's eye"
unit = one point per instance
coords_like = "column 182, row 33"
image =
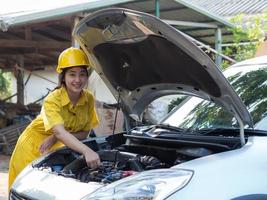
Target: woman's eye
column 72, row 75
column 83, row 74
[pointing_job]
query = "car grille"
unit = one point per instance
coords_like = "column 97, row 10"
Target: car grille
column 15, row 196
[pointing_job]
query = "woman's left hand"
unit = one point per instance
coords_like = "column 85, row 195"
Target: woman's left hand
column 47, row 144
column 92, row 159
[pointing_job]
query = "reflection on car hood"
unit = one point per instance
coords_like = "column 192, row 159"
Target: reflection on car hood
column 141, row 58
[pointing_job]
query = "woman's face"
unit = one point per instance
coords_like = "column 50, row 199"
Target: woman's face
column 75, row 79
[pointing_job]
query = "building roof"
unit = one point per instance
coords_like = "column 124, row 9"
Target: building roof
column 229, row 8
column 41, row 35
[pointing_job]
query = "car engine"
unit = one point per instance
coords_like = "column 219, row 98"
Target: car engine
column 123, row 155
column 115, row 165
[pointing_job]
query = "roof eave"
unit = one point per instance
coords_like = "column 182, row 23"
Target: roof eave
column 7, row 22
column 204, row 12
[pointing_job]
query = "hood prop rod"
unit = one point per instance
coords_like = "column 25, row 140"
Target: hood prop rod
column 241, row 125
column 116, row 113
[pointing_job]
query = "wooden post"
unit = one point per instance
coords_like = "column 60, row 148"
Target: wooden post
column 75, row 21
column 28, row 33
column 20, row 82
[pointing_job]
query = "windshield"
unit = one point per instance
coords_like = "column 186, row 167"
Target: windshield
column 250, row 83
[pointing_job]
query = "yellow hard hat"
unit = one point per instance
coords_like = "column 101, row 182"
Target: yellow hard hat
column 72, row 57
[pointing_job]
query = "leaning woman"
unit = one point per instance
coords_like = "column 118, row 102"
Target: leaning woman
column 67, row 116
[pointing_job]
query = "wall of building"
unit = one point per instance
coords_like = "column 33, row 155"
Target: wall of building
column 36, row 87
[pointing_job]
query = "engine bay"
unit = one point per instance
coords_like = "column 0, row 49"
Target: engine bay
column 115, row 165
column 123, row 155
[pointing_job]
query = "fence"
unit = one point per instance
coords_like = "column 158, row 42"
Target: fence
column 9, row 136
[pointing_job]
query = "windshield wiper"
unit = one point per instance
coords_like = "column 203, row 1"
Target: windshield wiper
column 170, row 127
column 218, row 131
column 159, row 129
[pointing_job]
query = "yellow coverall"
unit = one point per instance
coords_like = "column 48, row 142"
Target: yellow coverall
column 57, row 109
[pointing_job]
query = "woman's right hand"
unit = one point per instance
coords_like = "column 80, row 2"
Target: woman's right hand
column 92, row 159
column 47, row 144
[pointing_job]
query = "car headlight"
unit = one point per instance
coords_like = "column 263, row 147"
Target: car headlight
column 153, row 184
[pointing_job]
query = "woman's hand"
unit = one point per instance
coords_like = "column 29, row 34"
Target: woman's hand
column 92, row 159
column 47, row 144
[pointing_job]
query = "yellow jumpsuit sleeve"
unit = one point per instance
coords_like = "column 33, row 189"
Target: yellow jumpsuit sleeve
column 93, row 122
column 51, row 113
column 92, row 114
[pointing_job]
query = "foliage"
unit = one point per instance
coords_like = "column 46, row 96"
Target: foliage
column 248, row 29
column 251, row 30
column 176, row 102
column 252, row 88
column 5, row 81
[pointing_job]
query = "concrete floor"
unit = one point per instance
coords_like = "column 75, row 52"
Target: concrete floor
column 4, row 161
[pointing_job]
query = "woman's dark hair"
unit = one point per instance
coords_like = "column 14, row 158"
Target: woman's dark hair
column 61, row 76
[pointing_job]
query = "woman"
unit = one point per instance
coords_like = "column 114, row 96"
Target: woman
column 67, row 115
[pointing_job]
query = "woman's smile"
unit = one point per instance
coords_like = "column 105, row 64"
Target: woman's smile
column 76, row 79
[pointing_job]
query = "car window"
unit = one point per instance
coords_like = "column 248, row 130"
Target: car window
column 160, row 107
column 196, row 113
column 250, row 83
column 251, row 86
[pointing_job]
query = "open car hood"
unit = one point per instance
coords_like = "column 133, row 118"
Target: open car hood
column 141, row 58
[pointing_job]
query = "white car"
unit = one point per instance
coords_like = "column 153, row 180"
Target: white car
column 211, row 146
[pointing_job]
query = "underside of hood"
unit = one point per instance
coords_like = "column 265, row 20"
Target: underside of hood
column 152, row 59
column 141, row 58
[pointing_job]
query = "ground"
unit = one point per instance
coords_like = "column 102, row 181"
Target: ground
column 4, row 161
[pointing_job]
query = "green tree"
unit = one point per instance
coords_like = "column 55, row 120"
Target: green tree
column 5, row 81
column 251, row 30
column 176, row 102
